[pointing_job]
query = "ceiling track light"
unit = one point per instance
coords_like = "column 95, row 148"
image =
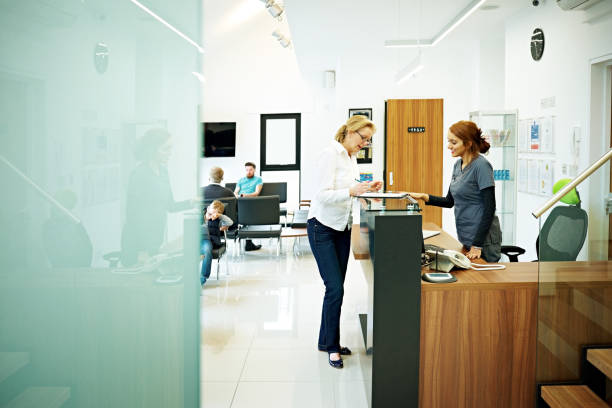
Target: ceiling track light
column 282, row 40
column 454, row 23
column 274, row 9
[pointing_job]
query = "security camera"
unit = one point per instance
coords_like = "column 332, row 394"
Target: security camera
column 535, row 3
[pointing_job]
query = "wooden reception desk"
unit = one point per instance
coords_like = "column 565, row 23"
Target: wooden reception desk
column 477, row 335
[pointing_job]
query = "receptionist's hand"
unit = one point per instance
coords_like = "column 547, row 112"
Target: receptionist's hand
column 420, row 196
column 474, row 253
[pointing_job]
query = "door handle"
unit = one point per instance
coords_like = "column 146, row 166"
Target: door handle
column 390, row 178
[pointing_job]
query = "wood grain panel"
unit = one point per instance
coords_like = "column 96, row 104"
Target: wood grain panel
column 478, row 347
column 415, row 158
column 602, row 359
column 569, row 319
column 571, row 396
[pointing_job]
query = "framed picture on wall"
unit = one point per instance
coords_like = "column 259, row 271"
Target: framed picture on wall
column 365, row 154
column 367, row 112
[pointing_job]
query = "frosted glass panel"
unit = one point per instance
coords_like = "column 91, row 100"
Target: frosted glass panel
column 99, row 289
column 280, row 141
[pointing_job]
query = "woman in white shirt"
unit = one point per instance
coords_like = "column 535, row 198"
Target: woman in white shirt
column 329, row 222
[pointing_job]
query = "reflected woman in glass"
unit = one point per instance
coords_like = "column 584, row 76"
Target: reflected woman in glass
column 149, row 198
column 329, row 220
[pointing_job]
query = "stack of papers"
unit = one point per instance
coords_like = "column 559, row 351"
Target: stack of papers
column 429, row 233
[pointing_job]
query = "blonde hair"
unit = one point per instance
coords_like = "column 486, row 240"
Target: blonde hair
column 353, row 124
column 218, row 205
column 216, row 174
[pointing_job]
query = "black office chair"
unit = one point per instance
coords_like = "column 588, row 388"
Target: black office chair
column 232, row 233
column 259, row 217
column 561, row 238
column 231, row 186
column 279, row 189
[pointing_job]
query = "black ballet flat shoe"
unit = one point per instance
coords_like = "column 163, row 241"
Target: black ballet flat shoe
column 344, row 351
column 335, row 363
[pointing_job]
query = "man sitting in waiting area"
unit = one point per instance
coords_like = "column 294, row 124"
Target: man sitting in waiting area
column 249, row 186
column 215, row 189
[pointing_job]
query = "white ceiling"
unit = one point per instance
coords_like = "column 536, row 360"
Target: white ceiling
column 326, row 29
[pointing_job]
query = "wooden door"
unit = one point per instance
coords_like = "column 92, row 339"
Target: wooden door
column 414, row 143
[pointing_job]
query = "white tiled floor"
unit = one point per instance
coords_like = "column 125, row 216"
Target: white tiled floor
column 259, row 334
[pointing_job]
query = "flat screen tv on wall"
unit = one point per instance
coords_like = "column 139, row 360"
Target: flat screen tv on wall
column 219, row 139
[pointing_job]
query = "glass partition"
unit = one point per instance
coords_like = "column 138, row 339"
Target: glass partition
column 575, row 288
column 99, row 288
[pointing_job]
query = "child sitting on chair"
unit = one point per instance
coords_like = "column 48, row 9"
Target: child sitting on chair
column 212, row 229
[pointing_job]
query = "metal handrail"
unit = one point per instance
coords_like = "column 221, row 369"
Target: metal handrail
column 36, row 187
column 568, row 187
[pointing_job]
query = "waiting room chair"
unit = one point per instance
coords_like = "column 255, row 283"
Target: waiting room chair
column 561, row 238
column 259, row 217
column 279, row 189
column 232, row 233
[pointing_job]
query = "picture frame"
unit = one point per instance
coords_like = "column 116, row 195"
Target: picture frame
column 367, row 112
column 365, row 154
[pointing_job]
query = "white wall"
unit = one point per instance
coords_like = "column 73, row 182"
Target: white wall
column 563, row 72
column 248, row 73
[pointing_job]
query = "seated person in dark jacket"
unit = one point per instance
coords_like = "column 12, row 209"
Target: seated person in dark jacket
column 215, row 189
column 212, row 230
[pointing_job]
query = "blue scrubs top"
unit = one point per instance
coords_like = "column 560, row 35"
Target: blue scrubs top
column 465, row 187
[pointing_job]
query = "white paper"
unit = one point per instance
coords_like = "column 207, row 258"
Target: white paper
column 546, row 177
column 533, row 186
column 546, row 134
column 429, row 233
column 523, row 175
column 383, row 195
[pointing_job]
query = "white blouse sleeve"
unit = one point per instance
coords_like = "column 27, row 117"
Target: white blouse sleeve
column 325, row 179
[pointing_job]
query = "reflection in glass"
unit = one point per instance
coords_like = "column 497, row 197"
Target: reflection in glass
column 99, row 292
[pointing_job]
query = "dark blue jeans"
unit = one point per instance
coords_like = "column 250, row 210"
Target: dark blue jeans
column 331, row 250
column 206, row 248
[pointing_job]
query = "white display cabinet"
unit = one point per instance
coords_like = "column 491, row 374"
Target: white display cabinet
column 500, row 129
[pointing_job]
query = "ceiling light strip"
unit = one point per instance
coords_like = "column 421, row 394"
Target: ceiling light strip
column 167, row 24
column 465, row 13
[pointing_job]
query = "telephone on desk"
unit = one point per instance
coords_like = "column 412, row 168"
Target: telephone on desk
column 444, row 260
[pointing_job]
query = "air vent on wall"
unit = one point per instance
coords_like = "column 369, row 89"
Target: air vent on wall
column 576, row 4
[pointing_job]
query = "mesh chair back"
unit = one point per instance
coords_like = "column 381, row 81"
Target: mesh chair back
column 563, row 234
column 231, row 207
column 231, row 186
column 279, row 189
column 261, row 210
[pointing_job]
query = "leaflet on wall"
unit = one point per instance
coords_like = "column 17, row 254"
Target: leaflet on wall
column 534, row 136
column 522, row 175
column 546, row 177
column 533, row 177
column 546, row 134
